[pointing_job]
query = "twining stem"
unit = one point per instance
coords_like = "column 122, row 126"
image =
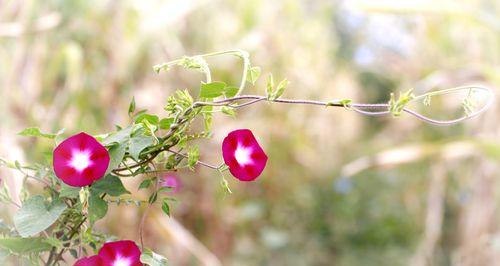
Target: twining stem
column 197, row 162
column 58, row 257
column 363, row 108
column 237, row 52
column 371, row 109
column 128, row 167
column 75, row 230
column 375, row 109
column 144, row 215
column 160, row 171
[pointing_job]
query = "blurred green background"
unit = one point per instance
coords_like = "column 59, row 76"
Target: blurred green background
column 339, row 188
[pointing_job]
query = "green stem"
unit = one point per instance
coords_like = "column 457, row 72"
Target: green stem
column 451, row 90
column 240, row 53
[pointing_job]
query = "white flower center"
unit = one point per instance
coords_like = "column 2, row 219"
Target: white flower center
column 80, row 160
column 242, row 155
column 121, row 261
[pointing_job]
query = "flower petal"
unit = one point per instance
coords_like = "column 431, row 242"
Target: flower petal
column 120, row 253
column 243, row 155
column 80, row 160
column 171, row 180
column 90, row 261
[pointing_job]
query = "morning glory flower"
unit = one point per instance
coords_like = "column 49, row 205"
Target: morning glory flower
column 80, row 160
column 90, row 261
column 171, row 180
column 118, row 253
column 243, row 155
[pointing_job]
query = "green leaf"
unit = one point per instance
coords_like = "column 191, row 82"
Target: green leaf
column 18, row 165
column 110, row 184
column 166, row 122
column 139, row 143
column 165, row 208
column 228, row 111
column 5, row 193
column 159, row 67
column 169, row 199
column 84, row 196
column 120, row 136
column 97, row 207
column 212, row 90
column 182, row 141
column 153, row 197
column 270, row 86
column 194, row 62
column 153, row 119
column 427, row 100
column 131, row 107
column 184, row 97
column 225, row 185
column 69, row 192
column 151, row 127
column 469, row 104
column 37, row 215
column 145, row 184
column 279, row 90
column 20, row 246
column 165, row 189
column 207, row 117
column 193, row 156
column 152, row 259
column 345, row 102
column 253, row 74
column 73, row 253
column 396, row 106
column 54, row 242
column 116, row 153
column 36, row 132
column 140, row 113
column 231, row 91
column 9, row 164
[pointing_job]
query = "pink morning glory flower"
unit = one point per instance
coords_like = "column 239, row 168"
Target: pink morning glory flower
column 243, row 155
column 90, row 261
column 118, row 253
column 80, row 160
column 171, row 180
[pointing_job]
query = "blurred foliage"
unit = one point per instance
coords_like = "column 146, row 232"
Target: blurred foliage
column 77, row 64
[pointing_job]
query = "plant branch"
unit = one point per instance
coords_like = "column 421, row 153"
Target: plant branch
column 198, row 162
column 375, row 109
column 370, row 109
column 73, row 232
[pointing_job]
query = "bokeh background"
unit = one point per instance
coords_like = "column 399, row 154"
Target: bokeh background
column 339, row 188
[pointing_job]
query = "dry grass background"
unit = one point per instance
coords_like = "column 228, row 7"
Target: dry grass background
column 340, row 189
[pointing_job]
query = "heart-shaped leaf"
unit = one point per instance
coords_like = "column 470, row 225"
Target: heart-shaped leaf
column 97, row 207
column 18, row 246
column 110, row 184
column 139, row 143
column 37, row 215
